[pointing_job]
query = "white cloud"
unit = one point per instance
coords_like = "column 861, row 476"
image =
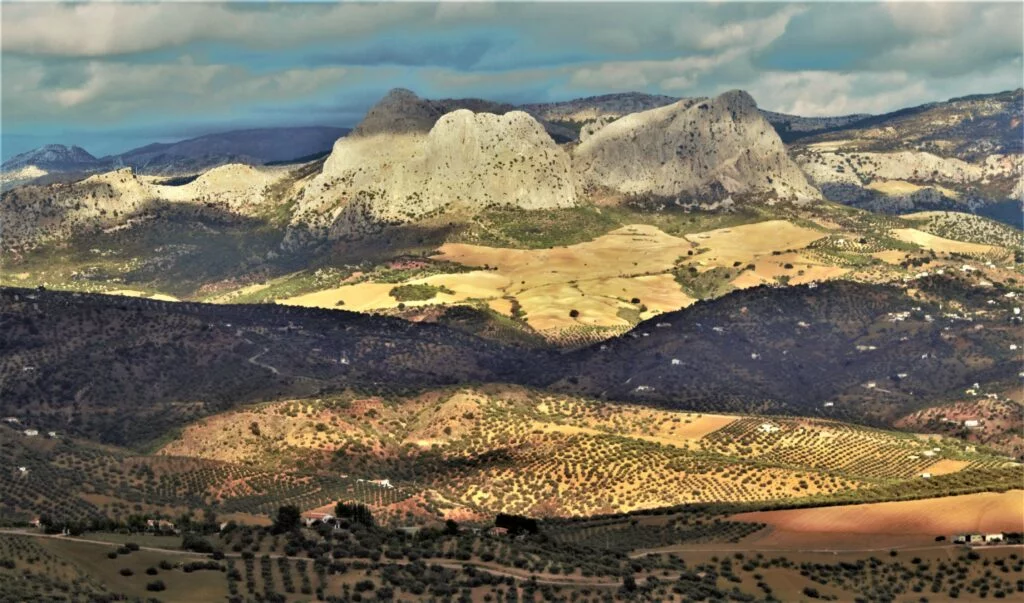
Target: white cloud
column 104, row 29
column 636, row 75
column 113, row 90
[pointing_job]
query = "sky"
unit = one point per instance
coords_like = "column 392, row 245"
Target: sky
column 112, row 76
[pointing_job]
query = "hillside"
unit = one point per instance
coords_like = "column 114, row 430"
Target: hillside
column 876, row 352
column 963, row 154
column 495, row 449
column 839, row 349
column 40, row 214
column 120, row 370
column 692, row 150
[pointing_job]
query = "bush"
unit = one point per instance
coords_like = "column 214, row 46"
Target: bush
column 423, row 292
column 151, row 571
column 127, row 571
column 194, row 542
column 574, row 313
column 112, row 555
column 156, row 586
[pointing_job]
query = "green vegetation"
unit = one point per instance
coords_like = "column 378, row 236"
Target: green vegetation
column 421, row 292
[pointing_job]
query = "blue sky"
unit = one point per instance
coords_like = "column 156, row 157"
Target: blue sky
column 111, row 76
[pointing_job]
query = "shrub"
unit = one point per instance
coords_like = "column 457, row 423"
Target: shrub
column 156, row 586
column 422, row 292
column 127, row 571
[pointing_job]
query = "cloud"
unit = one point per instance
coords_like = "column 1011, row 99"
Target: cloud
column 82, row 67
column 107, row 29
column 108, row 91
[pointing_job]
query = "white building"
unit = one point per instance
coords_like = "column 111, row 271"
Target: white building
column 971, row 423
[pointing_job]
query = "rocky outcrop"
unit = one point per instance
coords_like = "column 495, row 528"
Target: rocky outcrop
column 466, row 162
column 697, row 149
column 905, row 181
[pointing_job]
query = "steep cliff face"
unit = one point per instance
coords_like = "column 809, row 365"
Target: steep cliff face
column 466, row 162
column 703, row 149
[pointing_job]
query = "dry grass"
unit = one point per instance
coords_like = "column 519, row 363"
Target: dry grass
column 902, row 187
column 939, row 244
column 908, row 521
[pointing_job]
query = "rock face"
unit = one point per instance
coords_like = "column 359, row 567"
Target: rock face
column 466, row 162
column 698, row 149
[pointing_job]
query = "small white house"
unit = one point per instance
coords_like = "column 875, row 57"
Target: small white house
column 971, row 423
column 767, row 428
column 676, row 362
column 829, row 404
column 926, row 475
column 23, row 470
column 31, row 432
column 383, row 483
column 994, row 537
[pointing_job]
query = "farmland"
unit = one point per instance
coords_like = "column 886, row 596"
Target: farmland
column 476, row 452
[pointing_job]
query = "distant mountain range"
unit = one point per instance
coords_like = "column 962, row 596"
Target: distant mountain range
column 254, row 147
column 412, row 160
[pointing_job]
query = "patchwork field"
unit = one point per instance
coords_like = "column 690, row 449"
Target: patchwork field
column 594, row 289
column 480, row 451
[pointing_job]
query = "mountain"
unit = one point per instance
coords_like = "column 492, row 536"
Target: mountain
column 593, row 107
column 792, row 127
column 401, row 111
column 392, row 171
column 252, row 147
column 964, row 154
column 53, row 158
column 695, row 149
